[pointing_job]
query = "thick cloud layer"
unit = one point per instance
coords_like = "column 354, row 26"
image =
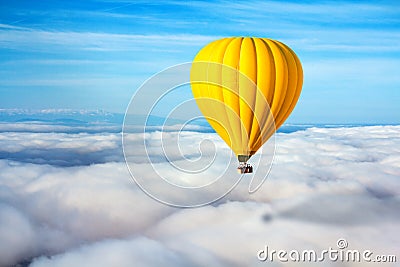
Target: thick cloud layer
column 61, row 149
column 325, row 184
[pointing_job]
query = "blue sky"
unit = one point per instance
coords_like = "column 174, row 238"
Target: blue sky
column 95, row 54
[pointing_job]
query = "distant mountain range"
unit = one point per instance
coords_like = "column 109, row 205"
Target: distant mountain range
column 76, row 117
column 60, row 116
column 75, row 121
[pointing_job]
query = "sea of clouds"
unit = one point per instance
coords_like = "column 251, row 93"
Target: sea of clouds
column 67, row 199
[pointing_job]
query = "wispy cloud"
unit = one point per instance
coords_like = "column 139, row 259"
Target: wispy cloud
column 65, row 82
column 31, row 39
column 328, row 11
column 347, row 41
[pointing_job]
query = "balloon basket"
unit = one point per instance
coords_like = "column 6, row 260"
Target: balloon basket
column 245, row 168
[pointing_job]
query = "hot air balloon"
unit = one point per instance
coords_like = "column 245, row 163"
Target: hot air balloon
column 246, row 88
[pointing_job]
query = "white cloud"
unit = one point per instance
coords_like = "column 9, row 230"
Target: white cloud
column 65, row 145
column 65, row 207
column 17, row 236
column 60, row 149
column 325, row 184
column 136, row 252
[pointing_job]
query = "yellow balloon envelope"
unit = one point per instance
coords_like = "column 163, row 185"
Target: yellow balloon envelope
column 246, row 88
